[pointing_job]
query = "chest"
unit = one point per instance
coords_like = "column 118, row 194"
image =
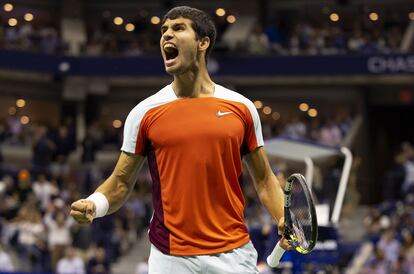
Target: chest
column 198, row 122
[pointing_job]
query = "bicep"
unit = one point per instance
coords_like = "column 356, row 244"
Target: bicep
column 128, row 163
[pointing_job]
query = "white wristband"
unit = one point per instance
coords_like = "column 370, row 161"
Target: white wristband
column 101, row 204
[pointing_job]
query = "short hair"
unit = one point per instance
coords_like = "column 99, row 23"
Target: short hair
column 202, row 23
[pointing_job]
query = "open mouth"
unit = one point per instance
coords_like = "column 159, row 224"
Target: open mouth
column 171, row 52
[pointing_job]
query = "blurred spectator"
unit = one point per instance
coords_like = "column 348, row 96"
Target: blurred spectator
column 394, row 178
column 376, row 264
column 59, row 226
column 99, row 263
column 330, row 134
column 15, row 129
column 49, row 39
column 136, row 210
column 399, row 179
column 133, row 49
column 257, row 42
column 44, row 190
column 62, row 142
column 408, row 163
column 94, row 47
column 71, row 263
column 31, row 239
column 142, row 267
column 296, row 129
column 10, row 203
column 27, row 34
column 42, row 150
column 89, row 148
column 390, row 246
column 103, row 227
column 6, row 264
column 356, row 41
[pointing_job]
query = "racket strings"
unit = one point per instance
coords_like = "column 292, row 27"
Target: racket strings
column 299, row 234
column 301, row 216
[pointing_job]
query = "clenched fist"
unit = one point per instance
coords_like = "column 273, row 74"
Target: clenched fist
column 83, row 211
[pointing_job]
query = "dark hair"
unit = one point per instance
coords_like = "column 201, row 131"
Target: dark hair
column 202, row 24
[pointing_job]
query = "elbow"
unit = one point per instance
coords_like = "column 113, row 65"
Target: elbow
column 265, row 181
column 262, row 187
column 266, row 184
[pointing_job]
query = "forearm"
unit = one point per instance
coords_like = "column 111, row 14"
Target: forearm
column 266, row 183
column 116, row 192
column 119, row 185
column 271, row 195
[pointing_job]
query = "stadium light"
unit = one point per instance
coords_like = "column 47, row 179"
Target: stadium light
column 373, row 16
column 312, row 112
column 155, row 20
column 231, row 19
column 24, row 120
column 12, row 22
column 411, row 16
column 276, row 116
column 334, row 17
column 117, row 123
column 220, row 12
column 303, row 107
column 129, row 27
column 267, row 110
column 258, row 104
column 28, row 17
column 118, row 21
column 8, row 7
column 20, row 103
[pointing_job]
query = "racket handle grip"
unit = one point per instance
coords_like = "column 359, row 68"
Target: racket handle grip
column 274, row 258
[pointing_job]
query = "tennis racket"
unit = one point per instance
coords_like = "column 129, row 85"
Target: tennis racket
column 301, row 225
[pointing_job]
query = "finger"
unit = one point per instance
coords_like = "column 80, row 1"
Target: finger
column 90, row 211
column 77, row 215
column 285, row 244
column 80, row 218
column 79, row 205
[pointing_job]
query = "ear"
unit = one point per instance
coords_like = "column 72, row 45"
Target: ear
column 204, row 43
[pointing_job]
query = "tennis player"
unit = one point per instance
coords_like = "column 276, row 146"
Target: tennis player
column 194, row 133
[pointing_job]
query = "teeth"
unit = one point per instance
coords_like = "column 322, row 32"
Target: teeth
column 169, row 46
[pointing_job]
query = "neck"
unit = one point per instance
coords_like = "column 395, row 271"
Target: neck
column 194, row 83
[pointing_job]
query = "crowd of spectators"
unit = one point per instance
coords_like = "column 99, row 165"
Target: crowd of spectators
column 399, row 179
column 30, row 36
column 313, row 36
column 296, row 35
column 36, row 232
column 329, row 131
column 390, row 230
column 390, row 225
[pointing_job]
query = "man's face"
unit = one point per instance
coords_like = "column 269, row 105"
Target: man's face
column 179, row 45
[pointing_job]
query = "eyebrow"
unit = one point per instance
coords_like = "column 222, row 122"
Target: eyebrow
column 163, row 27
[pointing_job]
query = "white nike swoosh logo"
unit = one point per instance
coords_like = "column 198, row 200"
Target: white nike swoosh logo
column 220, row 114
